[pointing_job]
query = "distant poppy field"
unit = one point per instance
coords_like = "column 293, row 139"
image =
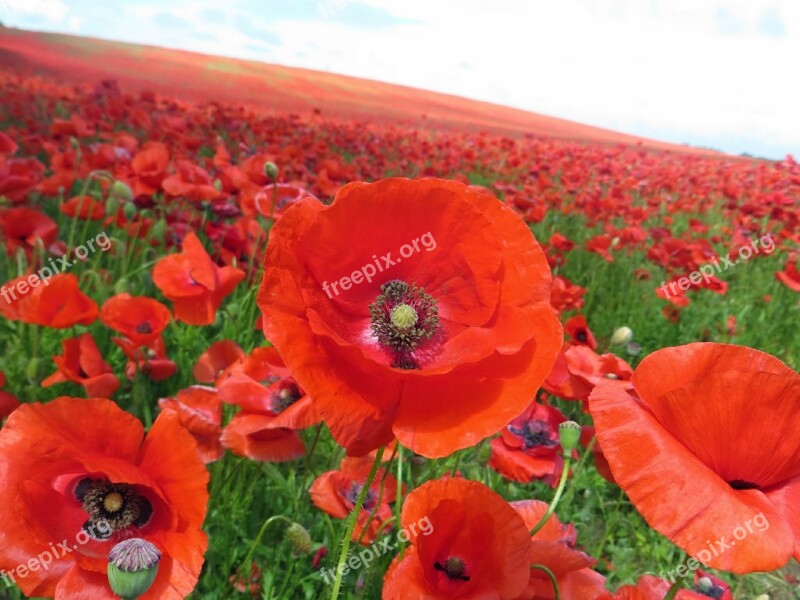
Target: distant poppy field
column 286, row 355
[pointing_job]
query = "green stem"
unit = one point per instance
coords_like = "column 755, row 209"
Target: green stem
column 398, row 501
column 552, row 578
column 554, row 502
column 272, row 519
column 351, row 524
column 675, row 588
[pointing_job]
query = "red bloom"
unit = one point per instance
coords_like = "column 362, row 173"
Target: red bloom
column 139, row 318
column 466, row 542
column 83, row 471
column 528, row 448
column 151, row 360
column 578, row 331
column 698, row 453
column 453, row 312
column 336, row 492
column 24, row 227
column 553, row 547
column 83, row 207
column 266, row 427
column 214, row 361
column 82, row 363
column 7, row 402
column 195, row 285
column 199, row 410
column 790, row 276
column 59, row 303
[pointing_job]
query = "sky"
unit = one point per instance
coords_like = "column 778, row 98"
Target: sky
column 716, row 73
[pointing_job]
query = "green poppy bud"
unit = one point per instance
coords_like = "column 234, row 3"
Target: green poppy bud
column 271, row 170
column 569, row 434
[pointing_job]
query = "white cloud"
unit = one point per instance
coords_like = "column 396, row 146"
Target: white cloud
column 52, row 10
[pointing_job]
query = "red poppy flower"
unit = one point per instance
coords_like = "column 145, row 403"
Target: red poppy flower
column 579, row 368
column 200, row 412
column 82, row 363
column 24, row 227
column 59, row 303
column 566, row 295
column 19, row 176
column 443, row 294
column 528, row 448
column 150, row 166
column 553, row 547
column 139, row 318
column 195, row 285
column 151, row 359
column 466, row 542
column 336, row 492
column 83, row 207
column 266, row 427
column 698, row 453
column 790, row 276
column 191, row 182
column 578, row 330
column 214, row 361
column 83, row 471
column 648, row 587
column 7, row 402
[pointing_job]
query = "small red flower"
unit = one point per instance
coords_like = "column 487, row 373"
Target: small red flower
column 194, row 283
column 82, row 363
column 200, row 412
column 58, row 302
column 138, row 318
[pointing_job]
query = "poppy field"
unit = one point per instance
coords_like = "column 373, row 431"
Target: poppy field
column 280, row 354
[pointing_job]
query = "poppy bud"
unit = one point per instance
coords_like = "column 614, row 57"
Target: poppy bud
column 299, row 538
column 121, row 191
column 112, row 206
column 271, row 170
column 121, row 286
column 158, row 231
column 129, row 210
column 569, row 434
column 217, row 185
column 621, row 336
column 633, row 349
column 73, row 141
column 132, row 567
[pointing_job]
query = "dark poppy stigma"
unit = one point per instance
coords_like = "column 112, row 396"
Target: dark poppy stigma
column 111, row 507
column 454, row 567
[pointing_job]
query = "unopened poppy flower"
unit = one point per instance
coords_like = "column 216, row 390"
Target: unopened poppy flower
column 578, row 331
column 272, row 413
column 194, row 283
column 8, row 402
column 83, row 364
column 150, row 360
column 553, row 546
column 695, row 447
column 528, row 448
column 83, row 471
column 466, row 542
column 24, row 227
column 336, row 493
column 218, row 357
column 58, row 302
column 139, row 318
column 200, row 412
column 432, row 325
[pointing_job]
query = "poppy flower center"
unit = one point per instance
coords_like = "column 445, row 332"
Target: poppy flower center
column 111, row 507
column 738, row 484
column 533, row 434
column 453, row 567
column 144, row 328
column 581, row 336
column 287, row 396
column 403, row 317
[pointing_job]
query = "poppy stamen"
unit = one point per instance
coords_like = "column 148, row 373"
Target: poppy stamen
column 144, row 328
column 453, row 567
column 287, row 396
column 112, row 507
column 533, row 433
column 403, row 317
